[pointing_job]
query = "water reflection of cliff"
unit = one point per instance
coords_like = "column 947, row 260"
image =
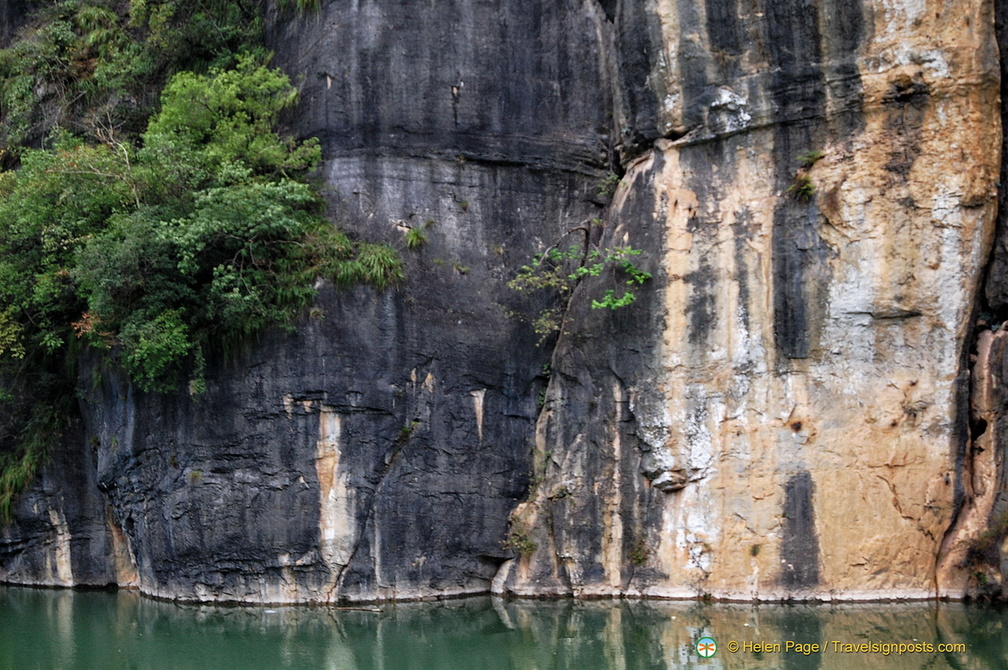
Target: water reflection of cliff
column 87, row 630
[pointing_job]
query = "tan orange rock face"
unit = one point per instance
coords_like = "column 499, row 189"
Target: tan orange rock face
column 818, row 233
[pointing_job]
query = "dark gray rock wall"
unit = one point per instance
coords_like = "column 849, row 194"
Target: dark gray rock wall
column 378, row 451
column 518, row 84
column 58, row 534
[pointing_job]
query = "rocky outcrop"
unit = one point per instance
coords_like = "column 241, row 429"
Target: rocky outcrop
column 781, row 413
column 378, row 452
column 61, row 531
column 975, row 549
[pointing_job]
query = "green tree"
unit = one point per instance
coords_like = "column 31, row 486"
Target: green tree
column 91, row 66
column 200, row 237
column 556, row 272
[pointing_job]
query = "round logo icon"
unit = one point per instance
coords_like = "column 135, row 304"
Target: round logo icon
column 706, row 647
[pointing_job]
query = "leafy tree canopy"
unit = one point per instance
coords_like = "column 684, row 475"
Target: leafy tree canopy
column 199, row 236
column 205, row 232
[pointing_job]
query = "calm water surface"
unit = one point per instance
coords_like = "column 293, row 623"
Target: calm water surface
column 63, row 629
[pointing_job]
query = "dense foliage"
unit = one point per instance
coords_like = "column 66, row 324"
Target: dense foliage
column 155, row 246
column 95, row 66
column 201, row 233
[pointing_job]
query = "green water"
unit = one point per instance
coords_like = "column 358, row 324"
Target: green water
column 63, row 629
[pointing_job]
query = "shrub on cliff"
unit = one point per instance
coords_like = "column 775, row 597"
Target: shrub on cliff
column 205, row 232
column 556, row 272
column 92, row 66
column 202, row 235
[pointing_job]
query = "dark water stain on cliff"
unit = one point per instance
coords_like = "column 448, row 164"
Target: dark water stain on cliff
column 723, row 27
column 907, row 105
column 798, row 88
column 844, row 28
column 996, row 287
column 701, row 309
column 638, row 38
column 742, row 231
column 797, row 91
column 800, row 277
column 800, row 545
column 727, row 36
column 692, row 64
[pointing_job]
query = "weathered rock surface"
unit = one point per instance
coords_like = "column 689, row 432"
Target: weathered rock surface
column 378, row 452
column 60, row 533
column 12, row 16
column 975, row 550
column 781, row 416
column 782, row 412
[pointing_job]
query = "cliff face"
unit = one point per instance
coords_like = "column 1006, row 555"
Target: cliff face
column 785, row 416
column 783, row 412
column 975, row 556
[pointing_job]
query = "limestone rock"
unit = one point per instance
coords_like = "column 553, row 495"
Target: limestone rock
column 974, row 554
column 783, row 412
column 378, row 452
column 817, row 238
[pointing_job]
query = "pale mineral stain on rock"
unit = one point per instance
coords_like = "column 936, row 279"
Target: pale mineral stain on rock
column 60, row 568
column 337, row 522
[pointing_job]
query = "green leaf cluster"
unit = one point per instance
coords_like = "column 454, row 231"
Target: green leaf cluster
column 202, row 236
column 810, row 158
column 607, row 186
column 802, row 188
column 93, row 66
column 559, row 271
